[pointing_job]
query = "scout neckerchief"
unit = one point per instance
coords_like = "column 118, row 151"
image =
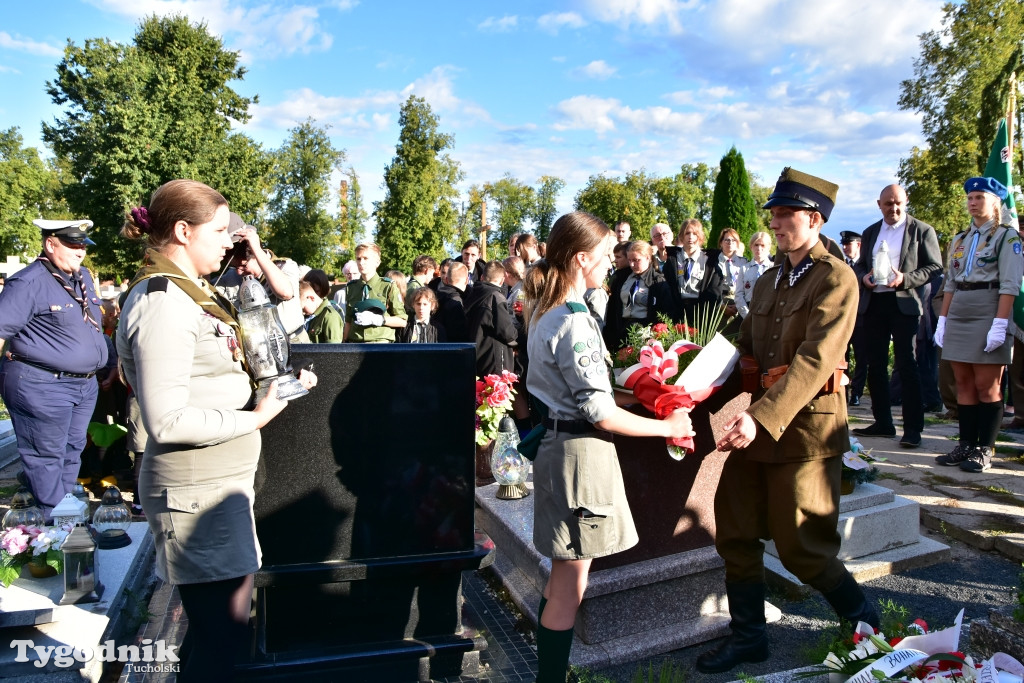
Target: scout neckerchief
column 969, row 266
column 82, row 298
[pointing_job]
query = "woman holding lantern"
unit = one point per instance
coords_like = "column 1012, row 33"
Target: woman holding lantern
column 181, row 354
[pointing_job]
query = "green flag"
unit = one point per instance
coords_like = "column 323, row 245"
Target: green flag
column 998, row 167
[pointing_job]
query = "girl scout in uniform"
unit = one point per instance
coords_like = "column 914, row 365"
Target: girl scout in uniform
column 580, row 503
column 983, row 276
column 180, row 354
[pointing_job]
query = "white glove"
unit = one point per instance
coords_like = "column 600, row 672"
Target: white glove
column 369, row 319
column 996, row 335
column 940, row 331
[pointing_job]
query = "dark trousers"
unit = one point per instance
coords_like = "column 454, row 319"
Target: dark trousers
column 50, row 418
column 858, row 345
column 884, row 321
column 794, row 503
column 218, row 623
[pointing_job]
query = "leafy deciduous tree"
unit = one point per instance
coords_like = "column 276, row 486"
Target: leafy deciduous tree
column 960, row 87
column 687, row 194
column 139, row 115
column 417, row 214
column 545, row 210
column 613, row 200
column 27, row 191
column 300, row 225
column 511, row 203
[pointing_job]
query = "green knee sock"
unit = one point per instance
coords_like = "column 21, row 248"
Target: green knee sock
column 990, row 420
column 553, row 649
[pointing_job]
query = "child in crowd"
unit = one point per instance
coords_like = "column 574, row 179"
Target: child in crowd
column 420, row 329
column 326, row 325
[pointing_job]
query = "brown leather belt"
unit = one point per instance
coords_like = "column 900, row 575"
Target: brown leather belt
column 753, row 379
column 969, row 286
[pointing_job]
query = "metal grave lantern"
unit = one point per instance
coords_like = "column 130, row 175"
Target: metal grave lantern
column 70, row 511
column 508, row 465
column 81, row 572
column 23, row 511
column 265, row 342
column 81, row 494
column 112, row 521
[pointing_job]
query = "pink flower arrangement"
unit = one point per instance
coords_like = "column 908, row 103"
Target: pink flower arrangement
column 22, row 544
column 494, row 394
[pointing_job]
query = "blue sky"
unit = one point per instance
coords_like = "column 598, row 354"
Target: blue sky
column 569, row 88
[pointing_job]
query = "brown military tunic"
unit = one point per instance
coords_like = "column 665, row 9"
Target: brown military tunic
column 785, row 485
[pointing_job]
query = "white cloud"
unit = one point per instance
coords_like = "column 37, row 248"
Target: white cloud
column 700, row 95
column 19, row 44
column 584, row 112
column 554, row 21
column 661, row 15
column 8, row 70
column 341, row 112
column 258, row 31
column 502, row 25
column 598, row 69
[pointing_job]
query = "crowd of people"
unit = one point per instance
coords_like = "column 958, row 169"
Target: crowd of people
column 170, row 338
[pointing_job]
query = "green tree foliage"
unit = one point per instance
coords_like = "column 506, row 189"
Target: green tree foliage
column 545, row 211
column 613, row 200
column 732, row 206
column 760, row 193
column 28, row 188
column 687, row 194
column 510, row 204
column 138, row 115
column 300, row 225
column 353, row 218
column 960, row 88
column 417, row 214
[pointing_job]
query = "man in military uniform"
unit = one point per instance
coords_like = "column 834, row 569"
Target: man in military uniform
column 781, row 478
column 374, row 307
column 50, row 315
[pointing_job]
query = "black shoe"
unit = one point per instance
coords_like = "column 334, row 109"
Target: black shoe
column 875, row 429
column 748, row 642
column 855, row 401
column 933, row 408
column 955, row 456
column 911, row 440
column 978, row 460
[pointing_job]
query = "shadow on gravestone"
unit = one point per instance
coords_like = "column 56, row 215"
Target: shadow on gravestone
column 364, row 505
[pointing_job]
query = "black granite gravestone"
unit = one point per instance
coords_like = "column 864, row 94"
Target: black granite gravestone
column 364, row 510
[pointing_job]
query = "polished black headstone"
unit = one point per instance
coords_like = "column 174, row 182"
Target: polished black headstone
column 364, row 510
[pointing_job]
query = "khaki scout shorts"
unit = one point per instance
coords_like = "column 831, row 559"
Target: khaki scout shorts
column 574, row 471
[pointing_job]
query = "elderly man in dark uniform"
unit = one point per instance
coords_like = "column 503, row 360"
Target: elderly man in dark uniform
column 781, row 478
column 50, row 314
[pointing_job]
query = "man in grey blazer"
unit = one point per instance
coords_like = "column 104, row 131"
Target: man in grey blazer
column 892, row 310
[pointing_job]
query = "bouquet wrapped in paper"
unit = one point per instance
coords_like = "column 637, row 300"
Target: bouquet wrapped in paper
column 660, row 387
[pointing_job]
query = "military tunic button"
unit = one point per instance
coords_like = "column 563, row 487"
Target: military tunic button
column 771, row 354
column 775, row 336
column 781, row 429
column 782, row 303
column 778, row 320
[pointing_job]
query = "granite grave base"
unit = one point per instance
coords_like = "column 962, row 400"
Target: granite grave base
column 880, row 534
column 630, row 611
column 30, row 610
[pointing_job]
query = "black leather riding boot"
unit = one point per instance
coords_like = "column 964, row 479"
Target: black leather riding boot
column 848, row 600
column 748, row 642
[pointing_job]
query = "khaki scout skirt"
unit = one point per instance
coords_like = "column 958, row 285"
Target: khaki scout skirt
column 967, row 323
column 579, row 504
column 198, row 502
